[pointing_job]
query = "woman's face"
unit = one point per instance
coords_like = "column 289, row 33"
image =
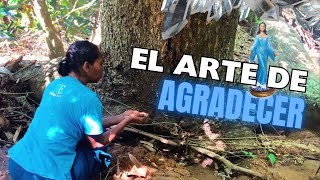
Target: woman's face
column 95, row 71
column 262, row 27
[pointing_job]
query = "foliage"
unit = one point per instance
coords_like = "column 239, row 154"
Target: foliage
column 12, row 11
column 292, row 53
column 78, row 21
column 72, row 18
column 272, row 159
column 249, row 154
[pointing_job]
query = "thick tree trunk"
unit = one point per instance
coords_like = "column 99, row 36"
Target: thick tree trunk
column 53, row 38
column 128, row 24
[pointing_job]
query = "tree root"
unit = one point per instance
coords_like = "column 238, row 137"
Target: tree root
column 200, row 150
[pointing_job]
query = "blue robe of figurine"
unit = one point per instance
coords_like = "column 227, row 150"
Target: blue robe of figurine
column 262, row 49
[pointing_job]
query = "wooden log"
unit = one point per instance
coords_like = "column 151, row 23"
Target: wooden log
column 13, row 65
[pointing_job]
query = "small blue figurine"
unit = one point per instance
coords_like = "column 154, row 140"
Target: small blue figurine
column 262, row 49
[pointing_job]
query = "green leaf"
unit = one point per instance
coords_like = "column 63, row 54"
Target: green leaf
column 272, row 158
column 64, row 3
column 258, row 20
column 250, row 154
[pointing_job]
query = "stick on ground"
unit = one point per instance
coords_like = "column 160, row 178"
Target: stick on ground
column 200, row 150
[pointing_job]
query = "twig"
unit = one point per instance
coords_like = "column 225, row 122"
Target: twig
column 11, row 108
column 261, row 130
column 8, row 93
column 73, row 10
column 33, row 100
column 118, row 102
column 163, row 140
column 28, row 37
column 30, row 77
column 3, row 141
column 32, row 63
column 23, row 114
column 110, row 171
column 107, row 111
column 75, row 4
column 227, row 162
column 241, row 138
column 25, row 121
column 275, row 130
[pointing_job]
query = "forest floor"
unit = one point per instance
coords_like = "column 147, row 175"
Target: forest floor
column 170, row 163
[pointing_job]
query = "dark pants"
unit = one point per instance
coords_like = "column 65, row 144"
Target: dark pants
column 86, row 165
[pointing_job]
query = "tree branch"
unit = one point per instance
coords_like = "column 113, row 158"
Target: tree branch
column 73, row 10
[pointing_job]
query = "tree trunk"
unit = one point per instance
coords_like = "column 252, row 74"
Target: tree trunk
column 52, row 35
column 128, row 24
column 5, row 18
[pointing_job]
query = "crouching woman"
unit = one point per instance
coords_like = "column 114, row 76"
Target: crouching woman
column 66, row 138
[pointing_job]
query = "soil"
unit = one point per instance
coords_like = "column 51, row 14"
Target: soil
column 169, row 165
column 4, row 174
column 292, row 162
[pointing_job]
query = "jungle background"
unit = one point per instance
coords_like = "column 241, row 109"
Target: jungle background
column 35, row 35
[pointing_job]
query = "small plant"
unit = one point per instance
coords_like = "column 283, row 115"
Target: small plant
column 249, row 154
column 272, row 158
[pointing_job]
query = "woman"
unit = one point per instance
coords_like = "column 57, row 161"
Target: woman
column 262, row 49
column 66, row 138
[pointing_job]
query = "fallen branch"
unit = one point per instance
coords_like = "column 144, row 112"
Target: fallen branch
column 227, row 162
column 11, row 108
column 200, row 150
column 7, row 142
column 13, row 64
column 31, row 64
column 23, row 114
column 8, row 93
column 163, row 140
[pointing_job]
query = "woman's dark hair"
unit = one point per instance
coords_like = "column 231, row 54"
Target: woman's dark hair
column 78, row 53
column 265, row 30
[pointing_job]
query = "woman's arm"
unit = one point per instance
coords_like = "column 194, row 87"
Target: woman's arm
column 97, row 141
column 113, row 120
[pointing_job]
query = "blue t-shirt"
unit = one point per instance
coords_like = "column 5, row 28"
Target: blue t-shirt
column 68, row 110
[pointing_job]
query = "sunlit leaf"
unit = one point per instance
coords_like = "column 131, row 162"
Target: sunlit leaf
column 64, row 3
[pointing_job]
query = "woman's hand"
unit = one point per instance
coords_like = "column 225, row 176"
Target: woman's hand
column 275, row 54
column 135, row 116
column 249, row 53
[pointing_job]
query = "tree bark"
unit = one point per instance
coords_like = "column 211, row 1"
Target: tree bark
column 52, row 35
column 6, row 19
column 128, row 24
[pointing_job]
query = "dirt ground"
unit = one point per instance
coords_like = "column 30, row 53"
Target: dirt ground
column 168, row 164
